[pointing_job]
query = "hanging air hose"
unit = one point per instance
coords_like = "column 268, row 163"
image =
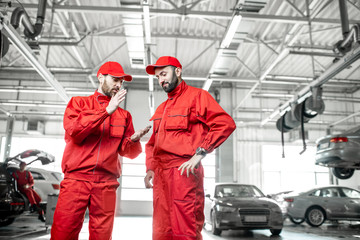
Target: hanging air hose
column 301, row 114
column 282, row 136
column 302, row 128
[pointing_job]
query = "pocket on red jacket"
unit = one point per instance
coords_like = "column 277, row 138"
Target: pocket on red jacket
column 117, row 127
column 177, row 119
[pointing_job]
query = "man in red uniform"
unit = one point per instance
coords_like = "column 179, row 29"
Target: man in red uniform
column 187, row 126
column 25, row 182
column 97, row 133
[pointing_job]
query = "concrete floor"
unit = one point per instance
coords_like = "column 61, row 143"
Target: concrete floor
column 28, row 227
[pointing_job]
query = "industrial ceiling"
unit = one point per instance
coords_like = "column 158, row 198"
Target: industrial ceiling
column 278, row 53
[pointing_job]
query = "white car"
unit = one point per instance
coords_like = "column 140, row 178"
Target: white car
column 46, row 182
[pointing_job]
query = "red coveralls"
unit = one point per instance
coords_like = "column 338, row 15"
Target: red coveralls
column 91, row 164
column 22, row 179
column 188, row 119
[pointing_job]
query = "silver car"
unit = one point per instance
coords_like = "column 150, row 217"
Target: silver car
column 240, row 206
column 341, row 152
column 324, row 203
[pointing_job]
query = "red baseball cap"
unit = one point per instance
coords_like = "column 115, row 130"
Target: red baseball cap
column 113, row 69
column 163, row 62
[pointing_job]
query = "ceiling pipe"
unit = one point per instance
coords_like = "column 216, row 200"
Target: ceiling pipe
column 349, row 36
column 20, row 14
column 31, row 31
column 344, row 17
column 25, row 50
column 334, row 69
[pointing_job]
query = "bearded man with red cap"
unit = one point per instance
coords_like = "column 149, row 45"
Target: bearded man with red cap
column 98, row 133
column 187, row 126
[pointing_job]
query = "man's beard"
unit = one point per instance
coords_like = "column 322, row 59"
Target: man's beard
column 172, row 84
column 107, row 90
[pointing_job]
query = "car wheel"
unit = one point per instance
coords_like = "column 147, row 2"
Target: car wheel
column 315, row 216
column 214, row 229
column 296, row 220
column 6, row 221
column 275, row 231
column 343, row 173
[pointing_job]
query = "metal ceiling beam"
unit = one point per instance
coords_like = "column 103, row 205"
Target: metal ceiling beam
column 192, row 14
column 32, row 103
column 314, row 53
column 258, row 110
column 59, row 18
column 289, row 40
column 25, row 50
column 344, row 119
column 6, row 112
column 37, row 113
column 278, row 59
column 270, row 79
column 328, row 98
column 148, row 60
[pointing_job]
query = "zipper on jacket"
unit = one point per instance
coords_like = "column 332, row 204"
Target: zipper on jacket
column 97, row 159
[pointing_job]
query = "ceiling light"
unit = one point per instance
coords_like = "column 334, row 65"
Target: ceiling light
column 230, row 32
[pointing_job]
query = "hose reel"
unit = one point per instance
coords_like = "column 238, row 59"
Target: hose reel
column 299, row 114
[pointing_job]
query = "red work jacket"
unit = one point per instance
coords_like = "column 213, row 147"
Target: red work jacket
column 23, row 178
column 95, row 140
column 188, row 119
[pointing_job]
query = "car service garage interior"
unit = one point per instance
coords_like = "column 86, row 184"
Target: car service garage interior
column 286, row 72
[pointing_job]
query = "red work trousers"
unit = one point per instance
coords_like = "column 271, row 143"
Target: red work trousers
column 178, row 204
column 33, row 197
column 75, row 196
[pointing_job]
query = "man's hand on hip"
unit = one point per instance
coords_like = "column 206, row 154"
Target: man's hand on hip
column 190, row 165
column 149, row 177
column 115, row 101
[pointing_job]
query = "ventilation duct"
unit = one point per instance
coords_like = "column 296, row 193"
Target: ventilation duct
column 349, row 35
column 31, row 31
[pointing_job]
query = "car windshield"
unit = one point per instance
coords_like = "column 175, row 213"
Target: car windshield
column 244, row 191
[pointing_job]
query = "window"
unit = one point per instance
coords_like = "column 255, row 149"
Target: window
column 294, row 172
column 316, row 193
column 58, row 176
column 330, row 192
column 351, row 193
column 37, row 176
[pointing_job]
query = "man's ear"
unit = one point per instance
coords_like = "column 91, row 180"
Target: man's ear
column 178, row 72
column 101, row 78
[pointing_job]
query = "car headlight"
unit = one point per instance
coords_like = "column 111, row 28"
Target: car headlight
column 221, row 208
